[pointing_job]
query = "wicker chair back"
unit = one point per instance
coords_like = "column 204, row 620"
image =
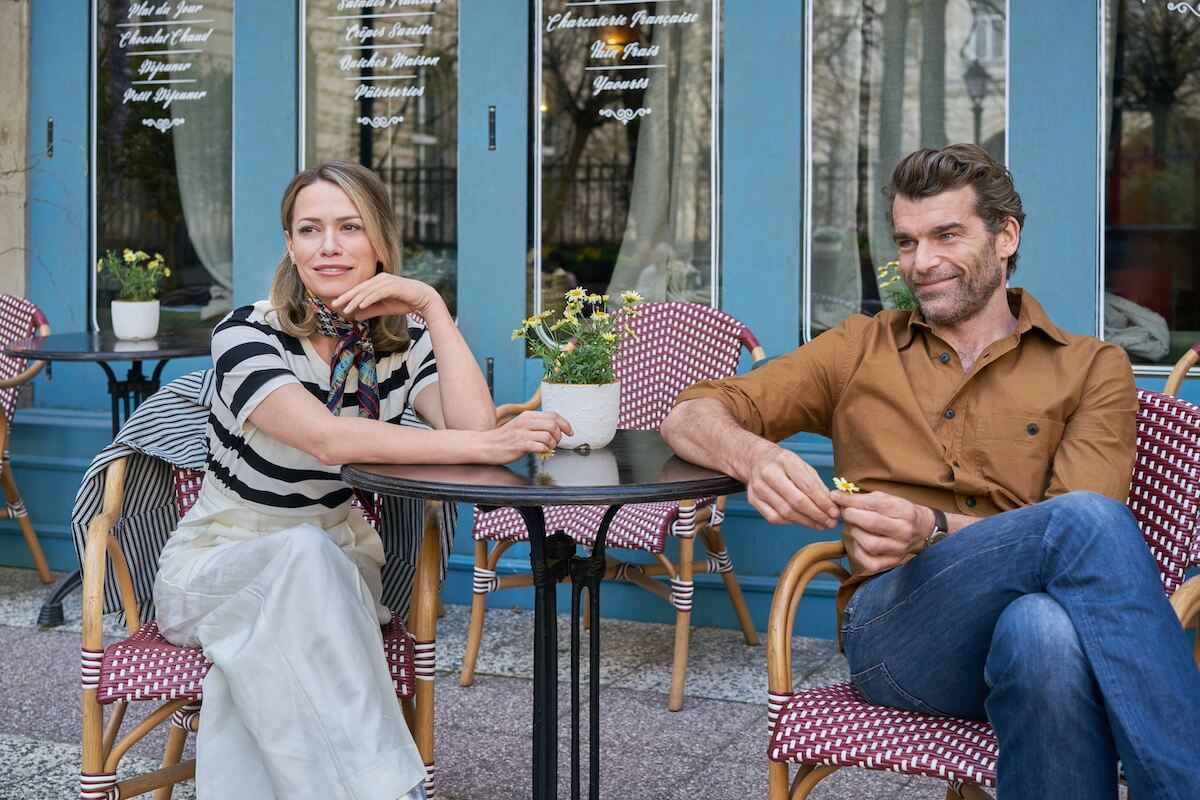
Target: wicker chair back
column 674, row 345
column 19, row 319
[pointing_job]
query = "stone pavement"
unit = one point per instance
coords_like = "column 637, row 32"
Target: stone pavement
column 714, row 748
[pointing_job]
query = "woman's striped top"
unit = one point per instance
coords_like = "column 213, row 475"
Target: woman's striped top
column 253, row 358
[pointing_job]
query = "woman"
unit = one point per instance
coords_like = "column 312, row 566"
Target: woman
column 272, row 572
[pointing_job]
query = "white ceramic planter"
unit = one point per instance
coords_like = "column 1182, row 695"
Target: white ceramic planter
column 591, row 409
column 134, row 320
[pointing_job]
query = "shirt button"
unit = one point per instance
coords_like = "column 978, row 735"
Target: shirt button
column 949, row 413
column 944, row 358
column 970, row 502
column 1032, row 428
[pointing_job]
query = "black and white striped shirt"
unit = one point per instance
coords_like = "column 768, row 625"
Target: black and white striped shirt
column 253, row 358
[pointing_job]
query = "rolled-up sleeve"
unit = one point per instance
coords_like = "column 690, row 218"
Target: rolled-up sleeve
column 793, row 393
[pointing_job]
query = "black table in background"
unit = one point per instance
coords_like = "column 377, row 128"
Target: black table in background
column 126, row 393
column 638, row 467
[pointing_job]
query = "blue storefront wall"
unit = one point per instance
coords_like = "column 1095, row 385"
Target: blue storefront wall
column 1053, row 151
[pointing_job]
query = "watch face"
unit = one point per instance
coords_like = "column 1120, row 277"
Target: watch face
column 936, row 537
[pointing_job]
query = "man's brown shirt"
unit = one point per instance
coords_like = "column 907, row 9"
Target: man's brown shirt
column 1041, row 413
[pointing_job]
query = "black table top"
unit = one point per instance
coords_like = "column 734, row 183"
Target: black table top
column 105, row 346
column 637, row 467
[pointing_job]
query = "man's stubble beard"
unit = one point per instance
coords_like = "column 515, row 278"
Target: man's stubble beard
column 975, row 289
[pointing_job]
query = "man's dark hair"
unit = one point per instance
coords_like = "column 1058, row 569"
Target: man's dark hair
column 927, row 172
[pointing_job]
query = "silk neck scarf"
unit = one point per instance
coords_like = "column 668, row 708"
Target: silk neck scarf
column 354, row 348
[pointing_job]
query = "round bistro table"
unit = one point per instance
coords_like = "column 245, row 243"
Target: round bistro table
column 637, row 467
column 126, row 393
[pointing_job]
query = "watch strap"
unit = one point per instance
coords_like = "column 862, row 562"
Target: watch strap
column 941, row 528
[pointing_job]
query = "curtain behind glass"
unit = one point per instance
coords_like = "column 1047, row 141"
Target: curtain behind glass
column 163, row 143
column 888, row 77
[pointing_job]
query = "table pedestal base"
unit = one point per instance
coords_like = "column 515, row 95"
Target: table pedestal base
column 553, row 558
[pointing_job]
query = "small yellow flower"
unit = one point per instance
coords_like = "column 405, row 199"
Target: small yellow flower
column 593, row 298
column 604, row 297
column 569, row 317
column 599, row 316
column 883, row 271
column 167, row 272
column 159, row 256
column 531, row 322
column 577, row 294
column 609, row 337
column 141, row 255
column 545, row 454
column 631, row 297
column 843, row 485
column 547, row 314
column 154, row 264
column 100, row 265
column 558, row 325
column 128, row 255
column 518, row 333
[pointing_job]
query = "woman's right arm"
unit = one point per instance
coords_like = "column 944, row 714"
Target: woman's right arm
column 296, row 418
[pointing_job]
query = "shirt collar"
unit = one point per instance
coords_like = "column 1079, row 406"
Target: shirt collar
column 1030, row 315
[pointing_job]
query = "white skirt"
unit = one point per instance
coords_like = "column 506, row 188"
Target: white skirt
column 299, row 701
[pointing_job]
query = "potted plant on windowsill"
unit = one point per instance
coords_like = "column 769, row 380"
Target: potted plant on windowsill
column 138, row 277
column 577, row 351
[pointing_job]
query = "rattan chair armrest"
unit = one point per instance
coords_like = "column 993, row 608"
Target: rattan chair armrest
column 813, row 560
column 1186, row 602
column 34, row 366
column 509, row 410
column 25, row 377
column 96, row 553
column 1180, row 370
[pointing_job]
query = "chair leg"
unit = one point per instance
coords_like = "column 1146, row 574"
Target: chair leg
column 716, row 545
column 478, row 610
column 806, row 780
column 94, row 782
column 176, row 737
column 424, row 631
column 17, row 509
column 682, row 589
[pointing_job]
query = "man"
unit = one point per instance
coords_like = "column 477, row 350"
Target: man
column 996, row 572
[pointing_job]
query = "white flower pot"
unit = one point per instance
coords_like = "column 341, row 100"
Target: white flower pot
column 133, row 320
column 590, row 408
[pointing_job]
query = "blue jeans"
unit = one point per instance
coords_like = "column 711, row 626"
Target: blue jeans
column 1050, row 622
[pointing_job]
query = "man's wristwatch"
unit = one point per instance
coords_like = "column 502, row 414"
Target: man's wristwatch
column 941, row 528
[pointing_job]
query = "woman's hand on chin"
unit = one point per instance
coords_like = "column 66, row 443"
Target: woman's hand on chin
column 385, row 294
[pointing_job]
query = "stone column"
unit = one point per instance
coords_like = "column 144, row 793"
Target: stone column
column 14, row 145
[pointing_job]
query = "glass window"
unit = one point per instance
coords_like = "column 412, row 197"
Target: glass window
column 885, row 78
column 380, row 87
column 625, row 149
column 1152, row 216
column 163, row 149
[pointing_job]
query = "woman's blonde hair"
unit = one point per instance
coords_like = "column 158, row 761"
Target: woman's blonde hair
column 389, row 334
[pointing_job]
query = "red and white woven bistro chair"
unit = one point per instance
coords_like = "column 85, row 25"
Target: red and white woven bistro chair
column 146, row 667
column 825, row 729
column 674, row 345
column 19, row 319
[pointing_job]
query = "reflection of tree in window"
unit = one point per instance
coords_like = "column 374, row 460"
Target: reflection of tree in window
column 627, row 202
column 887, row 78
column 1152, row 229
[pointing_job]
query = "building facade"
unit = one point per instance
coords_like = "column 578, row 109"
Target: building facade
column 713, row 151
